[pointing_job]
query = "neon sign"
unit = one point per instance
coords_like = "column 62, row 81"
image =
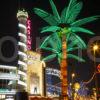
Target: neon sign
column 51, row 71
column 28, row 34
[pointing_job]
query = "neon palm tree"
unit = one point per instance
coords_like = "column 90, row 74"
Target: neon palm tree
column 53, row 43
column 64, row 25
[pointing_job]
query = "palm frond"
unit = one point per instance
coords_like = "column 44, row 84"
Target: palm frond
column 79, row 29
column 66, row 11
column 75, row 44
column 75, row 57
column 76, row 40
column 59, row 60
column 50, row 57
column 54, row 42
column 55, row 12
column 63, row 14
column 68, row 36
column 72, row 3
column 45, row 16
column 50, row 49
column 44, row 28
column 72, row 49
column 45, row 42
column 60, row 55
column 58, row 41
column 74, row 11
column 50, row 29
column 85, row 20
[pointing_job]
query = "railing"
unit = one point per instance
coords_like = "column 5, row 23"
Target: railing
column 8, row 76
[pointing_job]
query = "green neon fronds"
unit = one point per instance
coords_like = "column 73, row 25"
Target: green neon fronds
column 45, row 42
column 85, row 20
column 55, row 12
column 76, row 57
column 52, row 41
column 72, row 49
column 66, row 23
column 54, row 45
column 50, row 49
column 79, row 29
column 74, row 11
column 50, row 29
column 67, row 10
column 45, row 16
column 50, row 57
column 75, row 39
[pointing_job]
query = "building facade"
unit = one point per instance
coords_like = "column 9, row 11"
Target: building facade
column 22, row 16
column 8, row 81
column 35, row 74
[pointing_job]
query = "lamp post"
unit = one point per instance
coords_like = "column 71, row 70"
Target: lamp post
column 95, row 48
column 72, row 76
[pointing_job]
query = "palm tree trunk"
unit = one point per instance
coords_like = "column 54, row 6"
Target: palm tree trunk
column 63, row 66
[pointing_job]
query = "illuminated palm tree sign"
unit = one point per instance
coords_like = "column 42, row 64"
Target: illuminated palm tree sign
column 64, row 27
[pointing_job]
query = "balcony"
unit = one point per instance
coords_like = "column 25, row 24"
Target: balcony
column 22, row 83
column 22, row 54
column 21, row 44
column 22, row 63
column 8, row 76
column 22, row 73
column 23, row 37
column 8, row 67
column 22, row 26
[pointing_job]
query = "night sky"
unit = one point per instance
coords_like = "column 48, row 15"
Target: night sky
column 8, row 27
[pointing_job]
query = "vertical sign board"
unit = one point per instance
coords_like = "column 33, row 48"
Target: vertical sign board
column 29, row 34
column 35, row 74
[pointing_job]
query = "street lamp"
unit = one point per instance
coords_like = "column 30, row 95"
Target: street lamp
column 72, row 76
column 95, row 48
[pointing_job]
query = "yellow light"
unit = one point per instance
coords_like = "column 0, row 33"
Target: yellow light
column 70, row 84
column 73, row 75
column 77, row 86
column 95, row 47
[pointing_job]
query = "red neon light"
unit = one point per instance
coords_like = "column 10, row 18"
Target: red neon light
column 98, row 67
column 28, row 34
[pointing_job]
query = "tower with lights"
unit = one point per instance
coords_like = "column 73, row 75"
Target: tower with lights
column 22, row 16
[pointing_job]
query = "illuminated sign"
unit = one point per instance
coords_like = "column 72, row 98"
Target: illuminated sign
column 35, row 79
column 28, row 34
column 9, row 97
column 51, row 71
column 53, row 87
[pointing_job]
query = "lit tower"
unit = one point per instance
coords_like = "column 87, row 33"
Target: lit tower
column 22, row 16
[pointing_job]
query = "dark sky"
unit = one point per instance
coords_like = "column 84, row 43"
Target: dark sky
column 8, row 26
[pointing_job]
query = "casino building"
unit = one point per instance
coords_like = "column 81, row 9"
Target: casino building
column 29, row 74
column 14, row 78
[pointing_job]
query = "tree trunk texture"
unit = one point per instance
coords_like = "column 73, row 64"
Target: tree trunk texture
column 63, row 66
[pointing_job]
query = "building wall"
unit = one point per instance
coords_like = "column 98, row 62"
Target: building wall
column 22, row 16
column 8, row 79
column 35, row 73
